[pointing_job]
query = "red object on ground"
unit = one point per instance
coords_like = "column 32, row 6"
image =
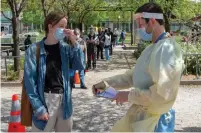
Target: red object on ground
column 16, row 127
column 77, row 78
column 15, row 116
column 15, row 97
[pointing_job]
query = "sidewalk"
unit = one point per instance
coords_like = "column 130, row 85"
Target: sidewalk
column 92, row 114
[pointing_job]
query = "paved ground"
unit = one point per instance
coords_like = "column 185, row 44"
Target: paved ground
column 99, row 115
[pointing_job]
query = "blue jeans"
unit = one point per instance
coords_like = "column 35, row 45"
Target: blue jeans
column 107, row 53
column 82, row 73
column 116, row 41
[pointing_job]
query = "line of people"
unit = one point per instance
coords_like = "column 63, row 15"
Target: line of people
column 92, row 47
column 104, row 40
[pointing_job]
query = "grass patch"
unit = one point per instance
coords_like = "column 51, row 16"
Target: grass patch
column 12, row 75
column 40, row 37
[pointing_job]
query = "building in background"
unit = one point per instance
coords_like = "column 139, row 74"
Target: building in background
column 6, row 24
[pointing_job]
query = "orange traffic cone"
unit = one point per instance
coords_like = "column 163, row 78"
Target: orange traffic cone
column 15, row 124
column 77, row 78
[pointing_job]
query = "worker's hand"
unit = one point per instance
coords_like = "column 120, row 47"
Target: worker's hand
column 98, row 88
column 137, row 16
column 121, row 97
column 70, row 35
column 44, row 117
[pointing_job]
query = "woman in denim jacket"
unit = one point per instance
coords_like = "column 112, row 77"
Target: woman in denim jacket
column 47, row 83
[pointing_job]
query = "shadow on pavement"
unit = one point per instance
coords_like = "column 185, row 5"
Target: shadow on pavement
column 189, row 129
column 5, row 113
column 93, row 114
column 118, row 61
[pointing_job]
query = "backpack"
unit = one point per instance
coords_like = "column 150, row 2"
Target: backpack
column 122, row 35
column 26, row 108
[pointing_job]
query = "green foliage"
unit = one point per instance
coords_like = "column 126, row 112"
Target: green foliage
column 190, row 60
column 33, row 13
column 76, row 9
column 141, row 47
column 93, row 18
column 22, row 63
column 12, row 75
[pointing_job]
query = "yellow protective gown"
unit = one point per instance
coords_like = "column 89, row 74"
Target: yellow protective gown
column 156, row 79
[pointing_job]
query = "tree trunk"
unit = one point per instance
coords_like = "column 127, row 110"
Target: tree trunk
column 16, row 41
column 68, row 15
column 43, row 7
column 167, row 24
column 132, row 28
column 80, row 27
column 41, row 28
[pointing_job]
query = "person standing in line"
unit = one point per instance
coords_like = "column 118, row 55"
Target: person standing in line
column 91, row 49
column 100, row 45
column 123, row 37
column 84, row 57
column 107, row 44
column 116, row 34
column 27, row 42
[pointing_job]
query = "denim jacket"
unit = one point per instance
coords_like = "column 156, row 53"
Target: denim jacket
column 35, row 81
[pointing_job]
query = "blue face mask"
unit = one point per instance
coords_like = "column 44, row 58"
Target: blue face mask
column 59, row 34
column 144, row 35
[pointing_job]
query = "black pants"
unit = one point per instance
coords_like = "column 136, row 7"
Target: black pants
column 72, row 82
column 99, row 51
column 111, row 48
column 91, row 57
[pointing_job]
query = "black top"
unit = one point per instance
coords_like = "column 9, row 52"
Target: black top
column 27, row 42
column 53, row 76
column 91, row 45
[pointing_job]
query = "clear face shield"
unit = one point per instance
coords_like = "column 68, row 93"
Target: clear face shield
column 145, row 24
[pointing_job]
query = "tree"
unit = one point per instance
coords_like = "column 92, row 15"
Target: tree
column 68, row 7
column 93, row 18
column 16, row 8
column 32, row 14
column 77, row 10
column 47, row 5
column 182, row 9
column 88, row 7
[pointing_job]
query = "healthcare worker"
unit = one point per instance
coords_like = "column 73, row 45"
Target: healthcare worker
column 155, row 78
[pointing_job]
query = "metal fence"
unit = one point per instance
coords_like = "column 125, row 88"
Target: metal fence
column 5, row 62
column 9, row 60
column 197, row 55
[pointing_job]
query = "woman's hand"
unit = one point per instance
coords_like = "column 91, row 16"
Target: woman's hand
column 121, row 97
column 70, row 35
column 44, row 117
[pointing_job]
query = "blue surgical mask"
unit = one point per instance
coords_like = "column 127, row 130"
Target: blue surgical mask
column 144, row 35
column 59, row 34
